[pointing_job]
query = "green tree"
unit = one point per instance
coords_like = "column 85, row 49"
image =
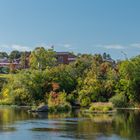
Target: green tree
column 81, row 65
column 99, row 82
column 14, row 55
column 26, row 87
column 63, row 75
column 25, row 59
column 129, row 83
column 3, row 55
column 41, row 58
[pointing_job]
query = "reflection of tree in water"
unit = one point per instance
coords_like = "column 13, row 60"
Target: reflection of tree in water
column 59, row 115
column 77, row 125
column 126, row 124
column 95, row 125
column 10, row 115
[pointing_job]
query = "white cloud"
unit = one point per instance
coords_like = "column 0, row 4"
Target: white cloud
column 136, row 45
column 67, row 46
column 113, row 46
column 20, row 47
column 119, row 47
column 8, row 48
column 64, row 46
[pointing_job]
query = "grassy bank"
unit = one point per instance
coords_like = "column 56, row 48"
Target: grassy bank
column 100, row 107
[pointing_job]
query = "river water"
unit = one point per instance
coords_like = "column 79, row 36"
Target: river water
column 18, row 124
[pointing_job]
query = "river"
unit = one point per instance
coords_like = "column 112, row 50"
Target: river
column 18, row 124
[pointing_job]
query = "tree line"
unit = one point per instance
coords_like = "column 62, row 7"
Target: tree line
column 89, row 79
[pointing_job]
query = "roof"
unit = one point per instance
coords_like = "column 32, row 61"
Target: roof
column 62, row 53
column 9, row 63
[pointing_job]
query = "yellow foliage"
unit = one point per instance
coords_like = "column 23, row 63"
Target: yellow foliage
column 5, row 93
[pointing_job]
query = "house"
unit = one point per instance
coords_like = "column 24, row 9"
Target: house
column 62, row 58
column 5, row 63
column 65, row 57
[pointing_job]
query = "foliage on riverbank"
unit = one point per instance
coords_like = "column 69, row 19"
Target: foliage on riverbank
column 90, row 79
column 101, row 107
column 57, row 102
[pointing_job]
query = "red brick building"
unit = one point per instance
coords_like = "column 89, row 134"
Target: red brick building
column 65, row 57
column 62, row 58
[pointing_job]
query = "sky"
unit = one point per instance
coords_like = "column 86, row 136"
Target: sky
column 80, row 26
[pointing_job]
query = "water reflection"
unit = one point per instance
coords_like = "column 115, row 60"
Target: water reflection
column 7, row 129
column 74, row 125
column 9, row 115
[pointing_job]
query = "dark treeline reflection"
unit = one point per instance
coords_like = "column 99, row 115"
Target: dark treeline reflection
column 121, row 125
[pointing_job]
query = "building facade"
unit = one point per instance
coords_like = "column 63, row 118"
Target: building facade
column 62, row 58
column 65, row 57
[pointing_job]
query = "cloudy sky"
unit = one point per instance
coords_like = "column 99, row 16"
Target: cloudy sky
column 81, row 26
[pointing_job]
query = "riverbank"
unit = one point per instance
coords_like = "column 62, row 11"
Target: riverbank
column 94, row 108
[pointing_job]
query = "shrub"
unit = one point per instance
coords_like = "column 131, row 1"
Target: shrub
column 119, row 100
column 72, row 97
column 85, row 101
column 57, row 102
column 101, row 107
column 6, row 101
column 60, row 108
column 22, row 97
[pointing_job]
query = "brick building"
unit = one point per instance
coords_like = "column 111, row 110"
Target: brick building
column 62, row 58
column 65, row 57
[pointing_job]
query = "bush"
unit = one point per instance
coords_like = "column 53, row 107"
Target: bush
column 6, row 101
column 101, row 107
column 72, row 98
column 119, row 100
column 57, row 102
column 22, row 97
column 2, row 82
column 85, row 102
column 60, row 108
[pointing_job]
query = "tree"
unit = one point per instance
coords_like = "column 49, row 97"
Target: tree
column 3, row 55
column 25, row 59
column 129, row 83
column 62, row 74
column 99, row 82
column 14, row 55
column 81, row 65
column 26, row 87
column 41, row 58
column 106, row 56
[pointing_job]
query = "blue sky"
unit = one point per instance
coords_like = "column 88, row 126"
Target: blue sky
column 81, row 26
